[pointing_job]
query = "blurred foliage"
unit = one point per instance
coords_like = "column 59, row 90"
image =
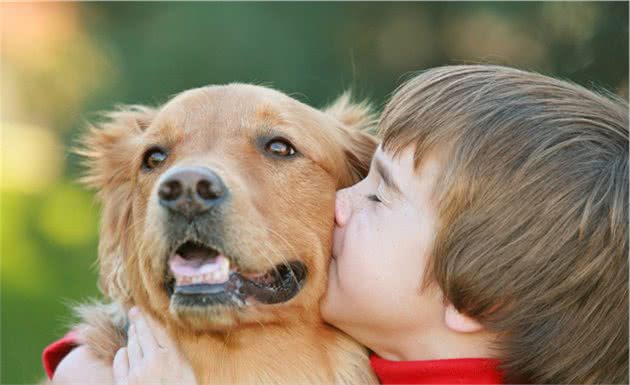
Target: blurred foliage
column 62, row 62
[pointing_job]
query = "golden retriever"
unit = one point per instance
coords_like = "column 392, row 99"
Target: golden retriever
column 218, row 210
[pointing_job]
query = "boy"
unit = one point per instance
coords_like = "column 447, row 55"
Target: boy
column 493, row 223
column 489, row 241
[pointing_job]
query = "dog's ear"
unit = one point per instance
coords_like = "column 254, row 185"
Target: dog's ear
column 110, row 150
column 358, row 122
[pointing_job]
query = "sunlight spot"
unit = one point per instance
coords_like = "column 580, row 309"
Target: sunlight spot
column 21, row 257
column 32, row 158
column 69, row 216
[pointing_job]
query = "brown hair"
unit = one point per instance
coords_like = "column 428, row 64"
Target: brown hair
column 533, row 208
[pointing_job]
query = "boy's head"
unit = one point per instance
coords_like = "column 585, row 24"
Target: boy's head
column 522, row 226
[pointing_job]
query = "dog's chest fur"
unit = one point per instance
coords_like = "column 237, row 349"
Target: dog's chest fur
column 290, row 357
column 261, row 355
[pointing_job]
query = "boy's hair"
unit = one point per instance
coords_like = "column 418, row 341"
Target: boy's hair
column 533, row 208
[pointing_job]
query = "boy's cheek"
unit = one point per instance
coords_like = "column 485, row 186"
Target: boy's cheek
column 336, row 301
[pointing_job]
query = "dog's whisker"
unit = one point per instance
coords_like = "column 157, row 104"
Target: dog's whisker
column 273, row 251
column 289, row 246
column 292, row 250
column 259, row 250
column 281, row 255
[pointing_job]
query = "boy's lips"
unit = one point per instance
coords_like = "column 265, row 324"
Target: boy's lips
column 338, row 240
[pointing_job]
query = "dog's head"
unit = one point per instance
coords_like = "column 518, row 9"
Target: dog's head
column 218, row 206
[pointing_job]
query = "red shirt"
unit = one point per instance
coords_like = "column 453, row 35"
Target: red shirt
column 449, row 371
column 453, row 371
column 55, row 352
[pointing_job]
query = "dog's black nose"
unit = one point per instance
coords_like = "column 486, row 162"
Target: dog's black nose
column 191, row 190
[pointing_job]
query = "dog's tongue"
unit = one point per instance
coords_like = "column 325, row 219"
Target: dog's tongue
column 191, row 270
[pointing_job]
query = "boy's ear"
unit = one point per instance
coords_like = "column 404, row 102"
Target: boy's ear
column 357, row 123
column 459, row 322
column 110, row 150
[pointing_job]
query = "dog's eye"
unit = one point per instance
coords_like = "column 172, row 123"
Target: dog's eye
column 153, row 158
column 280, row 147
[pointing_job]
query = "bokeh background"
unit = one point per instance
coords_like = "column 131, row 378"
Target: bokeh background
column 63, row 62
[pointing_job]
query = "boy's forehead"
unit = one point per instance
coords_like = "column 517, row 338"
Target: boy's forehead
column 399, row 171
column 401, row 162
column 394, row 169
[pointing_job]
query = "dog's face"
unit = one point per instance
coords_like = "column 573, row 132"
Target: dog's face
column 218, row 206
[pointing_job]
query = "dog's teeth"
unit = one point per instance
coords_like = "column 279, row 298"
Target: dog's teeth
column 225, row 267
column 220, row 275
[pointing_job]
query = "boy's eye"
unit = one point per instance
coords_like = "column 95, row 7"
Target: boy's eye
column 374, row 198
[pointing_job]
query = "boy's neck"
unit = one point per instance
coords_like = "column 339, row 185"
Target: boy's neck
column 431, row 345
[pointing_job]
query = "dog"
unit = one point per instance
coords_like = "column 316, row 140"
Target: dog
column 217, row 218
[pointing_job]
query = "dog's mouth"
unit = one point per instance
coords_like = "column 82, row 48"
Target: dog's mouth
column 200, row 275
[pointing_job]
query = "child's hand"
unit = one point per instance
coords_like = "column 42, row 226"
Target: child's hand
column 150, row 357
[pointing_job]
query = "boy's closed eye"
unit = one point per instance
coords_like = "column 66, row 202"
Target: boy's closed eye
column 382, row 194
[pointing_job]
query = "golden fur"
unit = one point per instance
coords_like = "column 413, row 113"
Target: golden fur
column 281, row 211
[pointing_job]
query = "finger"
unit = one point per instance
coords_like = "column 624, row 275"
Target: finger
column 160, row 334
column 121, row 366
column 144, row 334
column 133, row 349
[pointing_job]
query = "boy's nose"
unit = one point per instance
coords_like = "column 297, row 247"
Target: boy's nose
column 342, row 208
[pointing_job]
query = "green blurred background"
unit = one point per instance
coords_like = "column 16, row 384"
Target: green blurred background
column 62, row 62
